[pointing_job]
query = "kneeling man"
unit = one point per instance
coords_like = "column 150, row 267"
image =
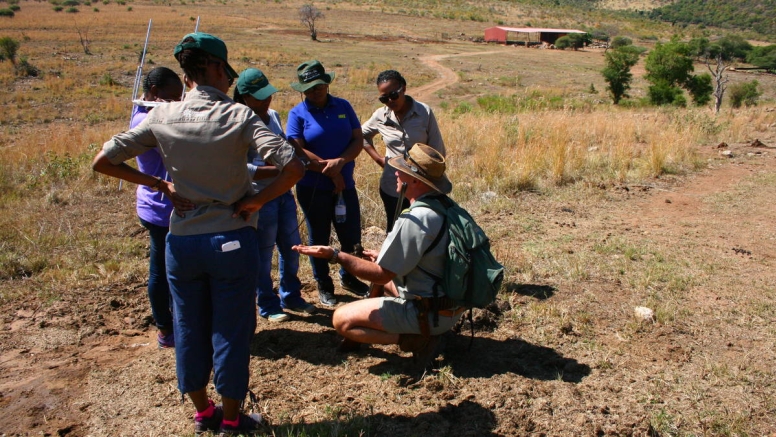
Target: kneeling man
column 409, row 264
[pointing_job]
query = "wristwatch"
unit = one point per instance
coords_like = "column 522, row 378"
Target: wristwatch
column 333, row 259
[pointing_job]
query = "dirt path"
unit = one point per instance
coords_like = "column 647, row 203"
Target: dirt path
column 447, row 75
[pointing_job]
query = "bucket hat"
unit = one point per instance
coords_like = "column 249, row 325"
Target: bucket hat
column 426, row 164
column 253, row 82
column 208, row 44
column 309, row 74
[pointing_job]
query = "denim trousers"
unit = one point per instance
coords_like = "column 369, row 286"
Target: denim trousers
column 318, row 208
column 278, row 225
column 214, row 309
column 158, row 289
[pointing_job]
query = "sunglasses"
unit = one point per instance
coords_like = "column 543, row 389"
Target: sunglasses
column 393, row 95
column 226, row 70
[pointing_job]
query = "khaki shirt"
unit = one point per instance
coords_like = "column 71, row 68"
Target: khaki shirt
column 204, row 142
column 404, row 251
column 418, row 126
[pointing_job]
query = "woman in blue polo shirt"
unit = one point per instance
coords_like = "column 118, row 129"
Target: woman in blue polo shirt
column 326, row 129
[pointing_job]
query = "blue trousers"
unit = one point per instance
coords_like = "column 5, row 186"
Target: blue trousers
column 278, row 224
column 214, row 295
column 318, row 208
column 158, row 289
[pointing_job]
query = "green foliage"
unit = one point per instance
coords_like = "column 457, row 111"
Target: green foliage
column 753, row 15
column 6, row 13
column 699, row 47
column 71, row 3
column 107, row 80
column 9, row 47
column 24, row 68
column 763, row 57
column 663, row 93
column 700, row 88
column 72, row 10
column 58, row 8
column 15, row 8
column 745, row 93
column 617, row 72
column 620, row 41
column 730, row 47
column 574, row 41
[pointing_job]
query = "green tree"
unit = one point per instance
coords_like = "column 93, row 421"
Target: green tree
column 620, row 41
column 8, row 49
column 573, row 40
column 731, row 47
column 669, row 69
column 763, row 57
column 745, row 93
column 617, row 72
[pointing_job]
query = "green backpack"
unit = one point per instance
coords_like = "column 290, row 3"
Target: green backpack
column 472, row 276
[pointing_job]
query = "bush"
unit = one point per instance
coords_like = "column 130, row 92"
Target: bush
column 24, row 68
column 6, row 13
column 58, row 8
column 71, row 3
column 744, row 93
column 663, row 93
column 15, row 8
column 107, row 80
column 71, row 10
column 8, row 49
column 621, row 41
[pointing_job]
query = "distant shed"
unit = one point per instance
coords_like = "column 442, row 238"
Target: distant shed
column 525, row 35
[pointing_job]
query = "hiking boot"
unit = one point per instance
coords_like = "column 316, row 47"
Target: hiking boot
column 353, row 285
column 326, row 295
column 248, row 425
column 424, row 349
column 278, row 317
column 347, row 346
column 165, row 341
column 209, row 424
column 305, row 307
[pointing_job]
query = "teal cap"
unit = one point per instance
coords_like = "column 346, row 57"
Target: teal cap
column 207, row 43
column 253, row 82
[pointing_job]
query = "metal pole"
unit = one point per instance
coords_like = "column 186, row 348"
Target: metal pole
column 196, row 29
column 138, row 78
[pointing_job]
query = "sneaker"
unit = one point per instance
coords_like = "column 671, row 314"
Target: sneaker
column 278, row 317
column 209, row 424
column 305, row 307
column 165, row 341
column 326, row 295
column 353, row 285
column 248, row 425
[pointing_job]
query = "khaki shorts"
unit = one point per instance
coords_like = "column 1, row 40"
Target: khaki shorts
column 400, row 316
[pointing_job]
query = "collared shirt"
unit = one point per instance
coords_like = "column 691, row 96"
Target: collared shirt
column 403, row 251
column 204, row 141
column 327, row 132
column 418, row 126
column 152, row 206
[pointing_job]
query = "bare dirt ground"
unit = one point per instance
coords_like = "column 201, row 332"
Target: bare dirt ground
column 88, row 363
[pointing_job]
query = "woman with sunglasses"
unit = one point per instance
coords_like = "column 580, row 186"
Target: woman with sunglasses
column 327, row 131
column 402, row 122
column 161, row 85
column 277, row 218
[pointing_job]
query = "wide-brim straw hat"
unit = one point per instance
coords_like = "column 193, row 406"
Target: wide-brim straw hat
column 426, row 164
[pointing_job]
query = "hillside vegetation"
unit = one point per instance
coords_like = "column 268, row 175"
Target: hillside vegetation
column 757, row 16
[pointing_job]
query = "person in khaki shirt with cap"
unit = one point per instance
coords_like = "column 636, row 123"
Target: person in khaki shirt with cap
column 413, row 253
column 212, row 251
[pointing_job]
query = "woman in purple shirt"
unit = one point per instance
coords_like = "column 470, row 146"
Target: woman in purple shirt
column 159, row 86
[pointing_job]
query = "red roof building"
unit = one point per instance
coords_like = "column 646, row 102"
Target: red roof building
column 525, row 35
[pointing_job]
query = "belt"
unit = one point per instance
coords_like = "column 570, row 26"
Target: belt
column 452, row 312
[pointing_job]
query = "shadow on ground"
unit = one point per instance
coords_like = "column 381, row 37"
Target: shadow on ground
column 465, row 419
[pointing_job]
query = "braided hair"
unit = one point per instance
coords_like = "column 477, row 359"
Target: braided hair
column 160, row 77
column 388, row 75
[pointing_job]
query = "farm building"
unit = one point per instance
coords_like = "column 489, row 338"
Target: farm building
column 525, row 35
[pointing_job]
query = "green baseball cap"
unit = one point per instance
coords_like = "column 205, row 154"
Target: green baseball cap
column 253, row 82
column 207, row 43
column 311, row 73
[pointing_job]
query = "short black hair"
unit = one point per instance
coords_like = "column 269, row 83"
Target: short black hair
column 160, row 77
column 387, row 75
column 193, row 61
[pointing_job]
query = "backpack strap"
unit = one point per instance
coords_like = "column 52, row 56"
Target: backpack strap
column 444, row 201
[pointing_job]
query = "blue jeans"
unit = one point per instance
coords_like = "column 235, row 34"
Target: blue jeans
column 158, row 289
column 277, row 224
column 318, row 208
column 214, row 295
